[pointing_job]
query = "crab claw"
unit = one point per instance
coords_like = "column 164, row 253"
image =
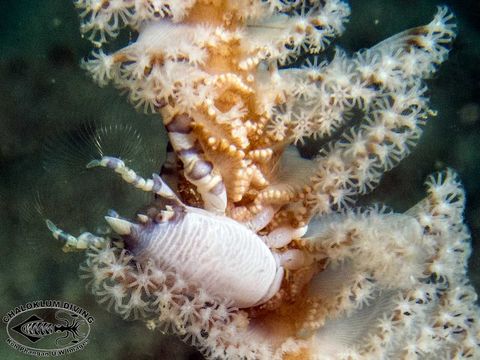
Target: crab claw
column 120, row 226
column 93, row 163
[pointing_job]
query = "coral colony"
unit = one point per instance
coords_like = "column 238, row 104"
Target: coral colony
column 247, row 250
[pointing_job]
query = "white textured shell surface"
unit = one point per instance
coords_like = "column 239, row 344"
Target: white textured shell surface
column 224, row 256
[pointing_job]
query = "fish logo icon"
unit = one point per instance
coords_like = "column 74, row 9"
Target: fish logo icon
column 35, row 328
column 48, row 328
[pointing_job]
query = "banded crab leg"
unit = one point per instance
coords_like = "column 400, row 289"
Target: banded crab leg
column 72, row 243
column 155, row 185
column 197, row 170
column 119, row 225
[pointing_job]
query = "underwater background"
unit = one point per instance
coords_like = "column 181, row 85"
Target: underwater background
column 54, row 120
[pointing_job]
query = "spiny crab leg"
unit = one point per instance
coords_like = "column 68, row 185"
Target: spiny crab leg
column 155, row 185
column 72, row 243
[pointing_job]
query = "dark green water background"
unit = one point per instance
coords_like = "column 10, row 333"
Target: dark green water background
column 49, row 110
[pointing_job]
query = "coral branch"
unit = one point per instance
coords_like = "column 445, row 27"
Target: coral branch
column 278, row 263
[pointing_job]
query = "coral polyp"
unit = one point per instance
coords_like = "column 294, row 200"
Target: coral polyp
column 247, row 250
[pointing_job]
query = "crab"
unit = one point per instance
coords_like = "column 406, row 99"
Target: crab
column 222, row 255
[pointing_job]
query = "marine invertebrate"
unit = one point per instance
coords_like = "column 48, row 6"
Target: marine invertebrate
column 251, row 251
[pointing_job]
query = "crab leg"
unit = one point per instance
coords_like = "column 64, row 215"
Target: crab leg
column 155, row 185
column 197, row 170
column 72, row 243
